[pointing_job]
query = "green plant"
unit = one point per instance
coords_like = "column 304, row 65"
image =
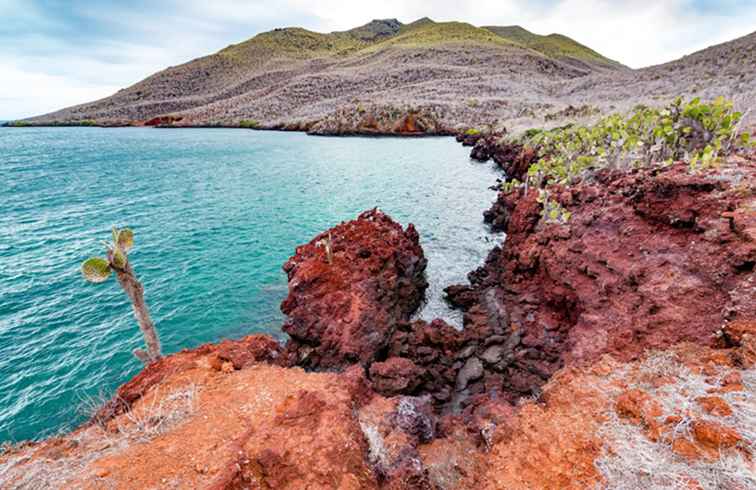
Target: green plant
column 98, row 269
column 327, row 243
column 510, row 185
column 17, row 124
column 473, row 102
column 694, row 132
column 552, row 211
column 472, row 132
column 87, row 122
column 532, row 132
column 249, row 124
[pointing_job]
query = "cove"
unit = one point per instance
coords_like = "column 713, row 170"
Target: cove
column 216, row 212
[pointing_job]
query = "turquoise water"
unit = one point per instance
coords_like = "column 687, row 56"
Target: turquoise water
column 216, row 212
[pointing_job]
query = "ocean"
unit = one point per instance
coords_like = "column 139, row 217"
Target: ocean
column 215, row 213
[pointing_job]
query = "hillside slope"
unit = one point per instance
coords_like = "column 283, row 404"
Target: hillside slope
column 727, row 69
column 556, row 46
column 418, row 78
column 462, row 72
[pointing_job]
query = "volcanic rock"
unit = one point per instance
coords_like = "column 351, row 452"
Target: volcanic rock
column 648, row 259
column 343, row 309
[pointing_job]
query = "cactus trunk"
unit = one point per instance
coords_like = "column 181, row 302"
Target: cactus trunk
column 135, row 292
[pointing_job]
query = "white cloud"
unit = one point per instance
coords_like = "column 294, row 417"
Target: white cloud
column 42, row 73
column 23, row 93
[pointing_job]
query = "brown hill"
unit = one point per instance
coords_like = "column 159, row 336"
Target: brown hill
column 423, row 77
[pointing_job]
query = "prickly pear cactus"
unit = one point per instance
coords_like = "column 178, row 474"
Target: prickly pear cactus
column 118, row 258
column 96, row 269
column 125, row 239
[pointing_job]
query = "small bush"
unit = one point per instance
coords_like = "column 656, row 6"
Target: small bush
column 473, row 102
column 17, row 124
column 249, row 124
column 552, row 211
column 472, row 132
column 86, row 122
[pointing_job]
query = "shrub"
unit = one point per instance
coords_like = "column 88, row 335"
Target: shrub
column 694, row 132
column 249, row 124
column 473, row 102
column 86, row 122
column 552, row 211
column 98, row 269
column 17, row 124
column 697, row 133
column 472, row 132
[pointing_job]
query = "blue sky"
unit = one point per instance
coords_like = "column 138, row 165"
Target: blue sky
column 55, row 53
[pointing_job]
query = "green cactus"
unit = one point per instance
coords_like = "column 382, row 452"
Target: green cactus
column 98, row 269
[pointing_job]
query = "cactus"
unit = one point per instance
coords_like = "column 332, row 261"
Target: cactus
column 327, row 243
column 98, row 269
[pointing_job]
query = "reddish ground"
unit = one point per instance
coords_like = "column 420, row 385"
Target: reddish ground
column 614, row 351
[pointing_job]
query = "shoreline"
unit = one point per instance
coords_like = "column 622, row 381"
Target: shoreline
column 550, row 350
column 375, row 134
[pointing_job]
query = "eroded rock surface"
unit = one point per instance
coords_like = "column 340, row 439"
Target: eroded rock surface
column 648, row 259
column 343, row 309
column 631, row 328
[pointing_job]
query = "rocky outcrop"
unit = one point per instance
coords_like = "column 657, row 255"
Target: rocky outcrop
column 163, row 121
column 269, row 427
column 630, row 326
column 648, row 259
column 513, row 158
column 381, row 121
column 349, row 288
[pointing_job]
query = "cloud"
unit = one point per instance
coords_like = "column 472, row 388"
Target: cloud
column 55, row 54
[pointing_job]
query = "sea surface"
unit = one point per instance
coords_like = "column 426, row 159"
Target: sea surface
column 215, row 212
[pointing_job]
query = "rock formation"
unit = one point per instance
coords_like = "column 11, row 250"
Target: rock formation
column 649, row 259
column 348, row 289
column 615, row 351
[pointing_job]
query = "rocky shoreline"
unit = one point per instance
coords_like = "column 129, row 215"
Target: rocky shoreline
column 635, row 321
column 375, row 122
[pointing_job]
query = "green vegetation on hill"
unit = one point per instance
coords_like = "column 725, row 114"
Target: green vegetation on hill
column 553, row 45
column 16, row 124
column 294, row 42
column 301, row 43
column 426, row 31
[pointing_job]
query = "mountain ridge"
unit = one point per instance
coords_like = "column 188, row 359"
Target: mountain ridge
column 424, row 77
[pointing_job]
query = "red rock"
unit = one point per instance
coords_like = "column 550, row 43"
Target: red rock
column 715, row 436
column 343, row 312
column 253, row 348
column 396, row 375
column 638, row 406
column 732, row 378
column 685, row 448
column 714, row 405
column 163, row 120
column 629, row 272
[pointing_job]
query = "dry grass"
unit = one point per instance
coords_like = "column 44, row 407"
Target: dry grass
column 22, row 468
column 630, row 460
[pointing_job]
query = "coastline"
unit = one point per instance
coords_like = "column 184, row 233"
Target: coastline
column 406, row 395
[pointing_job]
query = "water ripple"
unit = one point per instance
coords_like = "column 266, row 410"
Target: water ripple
column 216, row 213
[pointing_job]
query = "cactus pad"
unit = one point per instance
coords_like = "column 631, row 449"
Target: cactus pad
column 95, row 269
column 118, row 258
column 125, row 239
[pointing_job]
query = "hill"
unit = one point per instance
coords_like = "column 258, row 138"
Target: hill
column 556, row 46
column 417, row 78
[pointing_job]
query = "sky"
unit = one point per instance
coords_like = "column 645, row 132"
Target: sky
column 57, row 53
